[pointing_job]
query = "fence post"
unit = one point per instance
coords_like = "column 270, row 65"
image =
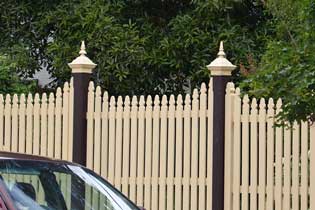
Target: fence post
column 82, row 68
column 221, row 70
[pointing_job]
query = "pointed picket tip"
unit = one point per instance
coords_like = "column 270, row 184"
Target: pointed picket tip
column 164, row 100
column 105, row 96
column 66, row 86
column 195, row 94
column 112, row 101
column 237, row 91
column 1, row 98
column 262, row 103
column 98, row 91
column 37, row 98
column 149, row 100
column 119, row 101
column 187, row 99
column 127, row 101
column 51, row 98
column 22, row 98
column 59, row 92
column 230, row 88
column 179, row 100
column 44, row 98
column 15, row 99
column 134, row 101
column 271, row 103
column 71, row 82
column 141, row 101
column 203, row 88
column 91, row 86
column 172, row 100
column 29, row 98
column 254, row 103
column 156, row 100
column 8, row 99
column 279, row 103
column 246, row 99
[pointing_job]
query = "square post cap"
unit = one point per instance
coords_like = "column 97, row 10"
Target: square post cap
column 82, row 64
column 221, row 66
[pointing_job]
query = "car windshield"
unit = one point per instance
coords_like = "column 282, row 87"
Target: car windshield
column 40, row 185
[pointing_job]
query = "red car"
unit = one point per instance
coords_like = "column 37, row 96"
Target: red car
column 35, row 183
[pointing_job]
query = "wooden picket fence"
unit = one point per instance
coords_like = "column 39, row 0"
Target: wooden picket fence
column 158, row 153
column 266, row 166
column 39, row 125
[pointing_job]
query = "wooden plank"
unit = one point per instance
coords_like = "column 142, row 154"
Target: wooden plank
column 270, row 155
column 187, row 153
column 148, row 153
column 70, row 133
column 90, row 127
column 304, row 165
column 111, row 140
column 279, row 155
column 29, row 124
column 287, row 169
column 163, row 151
column 312, row 167
column 126, row 146
column 295, row 165
column 118, row 154
column 194, row 150
column 58, row 122
column 237, row 150
column 133, row 148
column 36, row 143
column 15, row 125
column 7, row 123
column 141, row 153
column 97, row 130
column 22, row 124
column 209, row 145
column 155, row 153
column 179, row 153
column 43, row 125
column 104, row 156
column 171, row 154
column 262, row 155
column 65, row 122
column 253, row 154
column 51, row 125
column 202, row 147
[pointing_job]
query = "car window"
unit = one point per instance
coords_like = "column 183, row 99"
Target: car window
column 39, row 185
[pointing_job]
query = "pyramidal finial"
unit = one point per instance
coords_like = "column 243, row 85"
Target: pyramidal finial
column 221, row 52
column 82, row 49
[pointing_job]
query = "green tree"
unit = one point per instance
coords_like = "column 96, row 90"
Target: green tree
column 141, row 47
column 287, row 69
column 10, row 81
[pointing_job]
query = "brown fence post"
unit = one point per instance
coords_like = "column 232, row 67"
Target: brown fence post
column 82, row 68
column 221, row 70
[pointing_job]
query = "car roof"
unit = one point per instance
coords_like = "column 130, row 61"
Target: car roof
column 20, row 156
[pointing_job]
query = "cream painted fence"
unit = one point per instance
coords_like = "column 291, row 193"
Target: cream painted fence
column 159, row 153
column 266, row 167
column 41, row 125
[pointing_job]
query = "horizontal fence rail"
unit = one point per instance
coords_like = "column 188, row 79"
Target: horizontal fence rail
column 39, row 125
column 267, row 166
column 156, row 151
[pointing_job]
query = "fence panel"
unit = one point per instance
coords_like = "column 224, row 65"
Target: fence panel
column 36, row 126
column 272, row 164
column 160, row 155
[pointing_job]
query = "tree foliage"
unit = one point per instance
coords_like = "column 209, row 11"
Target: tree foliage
column 141, row 46
column 287, row 68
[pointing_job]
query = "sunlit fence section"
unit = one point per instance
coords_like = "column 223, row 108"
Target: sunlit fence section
column 39, row 124
column 158, row 151
column 266, row 166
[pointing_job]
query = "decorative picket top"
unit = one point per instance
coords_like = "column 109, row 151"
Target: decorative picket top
column 154, row 151
column 37, row 125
